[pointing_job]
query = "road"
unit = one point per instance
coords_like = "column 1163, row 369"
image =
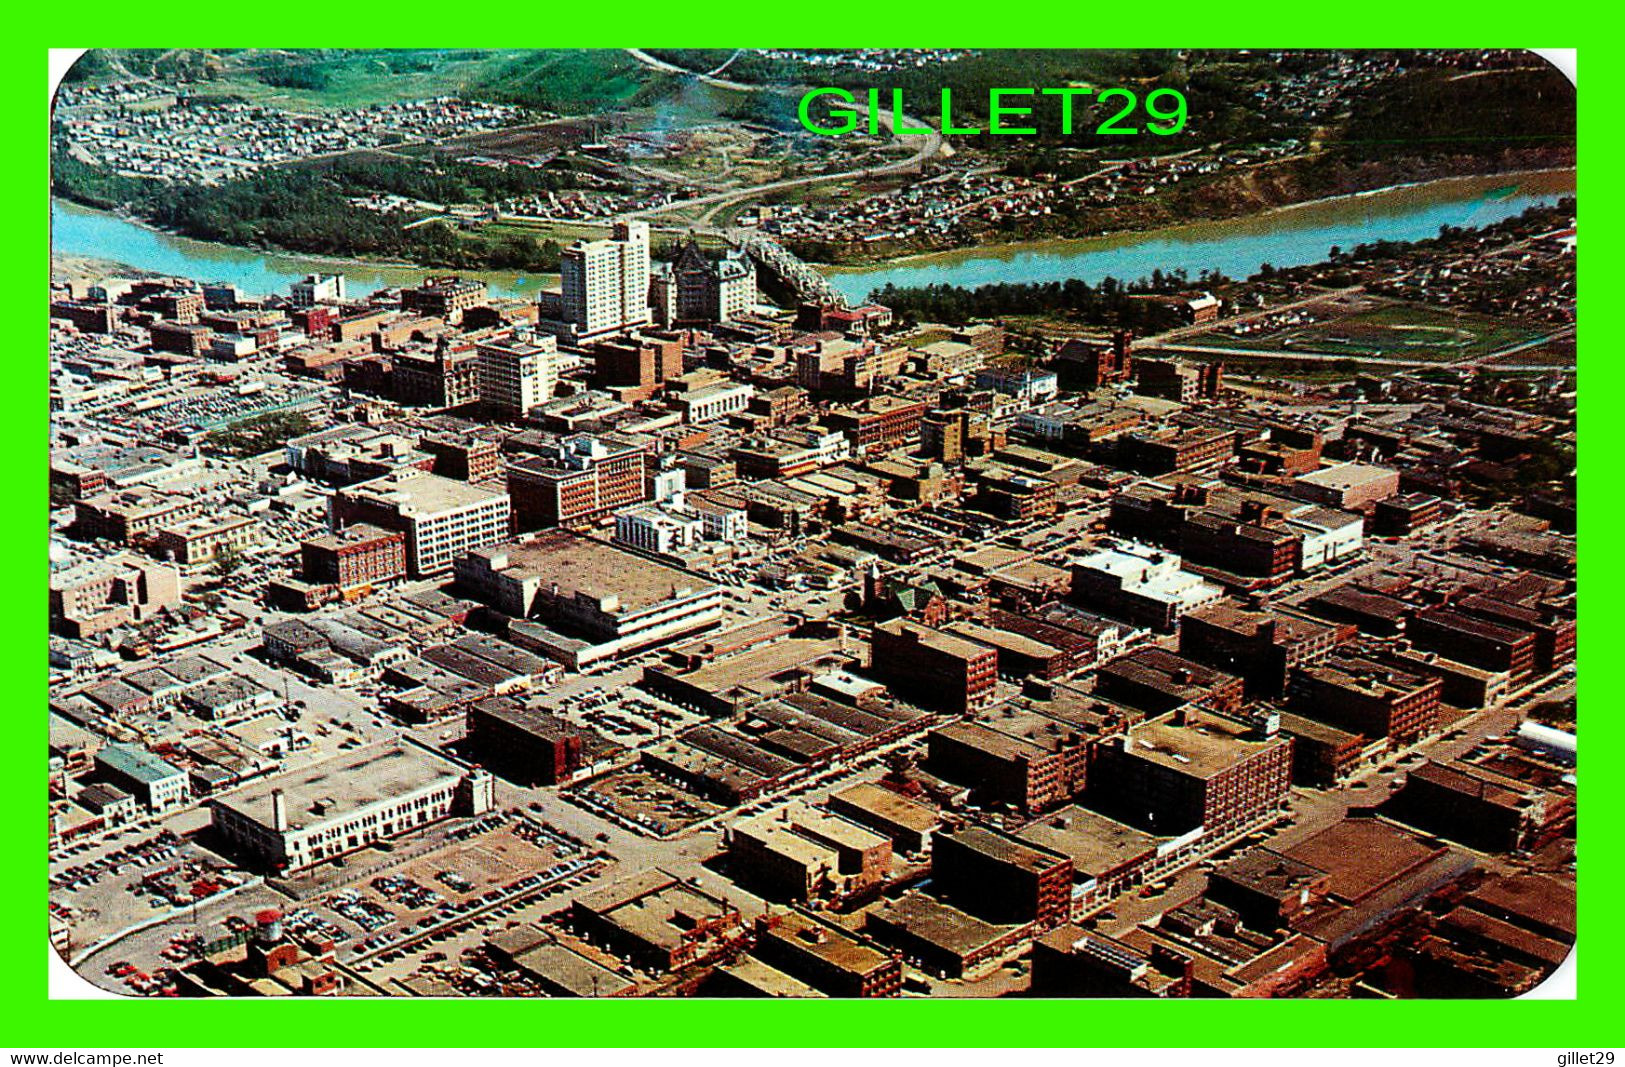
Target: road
column 930, row 145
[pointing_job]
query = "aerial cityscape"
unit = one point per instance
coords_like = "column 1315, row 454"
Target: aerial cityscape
column 557, row 524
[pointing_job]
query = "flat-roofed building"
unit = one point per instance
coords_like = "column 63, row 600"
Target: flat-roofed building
column 1001, row 768
column 1020, row 655
column 517, row 374
column 575, row 480
column 1171, row 777
column 801, row 854
column 1073, row 962
column 750, row 977
column 441, row 519
column 938, row 669
column 1479, row 642
column 158, row 784
column 657, row 921
column 207, row 538
column 909, row 824
column 1260, row 646
column 1108, row 857
column 826, row 956
column 532, row 746
column 356, row 557
column 1347, row 485
column 1160, row 681
column 1369, row 697
column 1141, row 584
column 616, row 600
column 344, row 803
column 1178, row 449
column 1000, row 878
column 561, row 971
column 942, row 939
column 134, row 514
column 444, row 298
column 1477, row 806
column 108, row 593
column 1323, row 755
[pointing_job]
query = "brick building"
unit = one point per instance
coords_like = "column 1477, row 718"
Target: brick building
column 1170, row 776
column 999, row 878
column 575, row 480
column 529, row 746
column 937, row 669
column 1368, row 697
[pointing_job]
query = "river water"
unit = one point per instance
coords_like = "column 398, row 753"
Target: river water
column 1238, row 247
column 82, row 231
column 1288, row 237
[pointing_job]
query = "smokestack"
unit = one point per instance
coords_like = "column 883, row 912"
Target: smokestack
column 279, row 811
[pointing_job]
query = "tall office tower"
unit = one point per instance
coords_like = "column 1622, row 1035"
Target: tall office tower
column 604, row 284
column 517, row 374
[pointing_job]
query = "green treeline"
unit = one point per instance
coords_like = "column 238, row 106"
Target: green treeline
column 308, row 209
column 1109, row 303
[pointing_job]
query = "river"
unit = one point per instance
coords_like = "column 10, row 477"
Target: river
column 1285, row 237
column 82, row 231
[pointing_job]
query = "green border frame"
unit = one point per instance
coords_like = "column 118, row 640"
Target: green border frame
column 32, row 1020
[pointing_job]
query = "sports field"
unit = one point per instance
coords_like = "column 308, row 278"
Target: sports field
column 1386, row 330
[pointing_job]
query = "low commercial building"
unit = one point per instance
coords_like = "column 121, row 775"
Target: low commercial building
column 1347, row 485
column 159, row 785
column 909, row 825
column 942, row 939
column 344, row 803
column 1108, row 857
column 657, row 921
column 826, row 956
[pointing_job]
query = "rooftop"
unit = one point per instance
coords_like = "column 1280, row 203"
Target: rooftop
column 594, row 569
column 1096, row 844
column 415, row 492
column 343, row 784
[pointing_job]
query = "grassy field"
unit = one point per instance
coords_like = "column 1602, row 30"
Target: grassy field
column 1389, row 330
column 364, row 80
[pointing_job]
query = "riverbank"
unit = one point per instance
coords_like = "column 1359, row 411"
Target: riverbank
column 1256, row 191
column 88, row 233
column 1288, row 235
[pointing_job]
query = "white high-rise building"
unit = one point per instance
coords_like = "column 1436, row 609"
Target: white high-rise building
column 517, row 374
column 604, row 284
